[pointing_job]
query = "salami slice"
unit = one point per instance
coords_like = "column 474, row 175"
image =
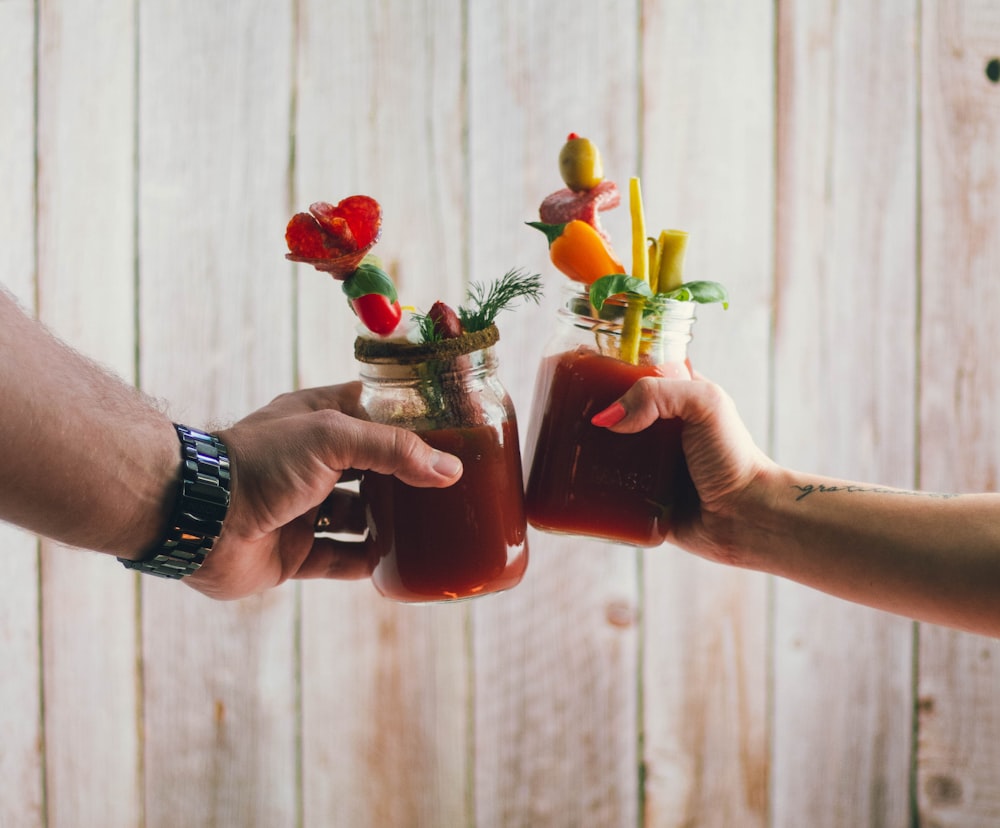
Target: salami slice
column 335, row 238
column 356, row 221
column 566, row 205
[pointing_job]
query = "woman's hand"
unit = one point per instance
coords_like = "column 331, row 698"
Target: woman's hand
column 722, row 458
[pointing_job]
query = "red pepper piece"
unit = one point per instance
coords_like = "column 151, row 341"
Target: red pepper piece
column 446, row 321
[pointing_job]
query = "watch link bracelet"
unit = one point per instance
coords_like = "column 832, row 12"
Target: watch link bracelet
column 200, row 509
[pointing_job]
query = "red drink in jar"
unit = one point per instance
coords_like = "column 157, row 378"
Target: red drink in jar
column 469, row 539
column 587, row 480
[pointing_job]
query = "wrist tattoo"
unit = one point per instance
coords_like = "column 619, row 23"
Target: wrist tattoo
column 806, row 489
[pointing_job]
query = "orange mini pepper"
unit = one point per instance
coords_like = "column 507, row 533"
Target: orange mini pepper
column 578, row 250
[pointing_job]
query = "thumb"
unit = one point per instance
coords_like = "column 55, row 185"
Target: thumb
column 367, row 446
column 651, row 399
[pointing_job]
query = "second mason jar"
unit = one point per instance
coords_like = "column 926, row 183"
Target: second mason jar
column 587, row 480
column 468, row 539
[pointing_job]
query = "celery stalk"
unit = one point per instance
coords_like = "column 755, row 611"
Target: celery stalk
column 672, row 245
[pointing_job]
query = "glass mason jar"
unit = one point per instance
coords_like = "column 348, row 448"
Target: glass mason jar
column 587, row 480
column 468, row 539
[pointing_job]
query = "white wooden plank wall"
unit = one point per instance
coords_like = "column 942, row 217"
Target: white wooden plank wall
column 708, row 167
column 845, row 356
column 837, row 166
column 385, row 688
column 21, row 782
column 215, row 325
column 562, row 649
column 86, row 294
column 958, row 781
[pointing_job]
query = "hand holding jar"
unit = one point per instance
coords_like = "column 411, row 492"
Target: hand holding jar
column 434, row 375
column 613, row 330
column 471, row 538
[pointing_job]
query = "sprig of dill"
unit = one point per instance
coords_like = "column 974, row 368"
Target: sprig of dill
column 488, row 301
column 428, row 330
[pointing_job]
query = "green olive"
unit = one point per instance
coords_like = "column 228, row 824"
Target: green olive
column 580, row 164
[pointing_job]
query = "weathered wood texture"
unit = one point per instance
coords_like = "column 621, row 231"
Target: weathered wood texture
column 215, row 327
column 562, row 648
column 22, row 799
column 385, row 688
column 957, row 780
column 708, row 166
column 845, row 390
column 837, row 166
column 86, row 294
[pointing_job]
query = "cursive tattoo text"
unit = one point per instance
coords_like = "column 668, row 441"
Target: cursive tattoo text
column 806, row 489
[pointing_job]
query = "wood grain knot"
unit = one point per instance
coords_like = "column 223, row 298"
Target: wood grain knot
column 620, row 614
column 943, row 790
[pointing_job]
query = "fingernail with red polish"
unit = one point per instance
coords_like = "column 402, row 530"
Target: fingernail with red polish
column 614, row 413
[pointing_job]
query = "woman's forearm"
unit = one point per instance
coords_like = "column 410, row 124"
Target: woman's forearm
column 87, row 459
column 927, row 556
column 930, row 556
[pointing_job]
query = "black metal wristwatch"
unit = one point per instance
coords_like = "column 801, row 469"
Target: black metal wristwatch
column 201, row 506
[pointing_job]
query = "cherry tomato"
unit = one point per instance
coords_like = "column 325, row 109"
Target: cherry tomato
column 378, row 313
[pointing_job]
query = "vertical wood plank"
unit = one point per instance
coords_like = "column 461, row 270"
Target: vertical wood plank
column 17, row 140
column 385, row 686
column 86, row 188
column 707, row 126
column 216, row 340
column 555, row 658
column 959, row 702
column 21, row 791
column 845, row 390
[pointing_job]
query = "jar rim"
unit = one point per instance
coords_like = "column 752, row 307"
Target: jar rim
column 614, row 308
column 371, row 350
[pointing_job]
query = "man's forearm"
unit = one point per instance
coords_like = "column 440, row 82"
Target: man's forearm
column 87, row 459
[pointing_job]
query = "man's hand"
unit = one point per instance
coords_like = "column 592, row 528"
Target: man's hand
column 286, row 460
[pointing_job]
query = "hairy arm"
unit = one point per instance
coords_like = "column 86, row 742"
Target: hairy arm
column 87, row 459
column 91, row 462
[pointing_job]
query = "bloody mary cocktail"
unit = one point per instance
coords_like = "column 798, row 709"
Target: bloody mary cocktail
column 586, row 480
column 615, row 328
column 465, row 540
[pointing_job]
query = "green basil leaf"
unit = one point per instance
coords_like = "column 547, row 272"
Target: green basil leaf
column 615, row 284
column 369, row 278
column 704, row 293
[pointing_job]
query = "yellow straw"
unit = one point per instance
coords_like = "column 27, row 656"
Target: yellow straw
column 632, row 325
column 640, row 257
